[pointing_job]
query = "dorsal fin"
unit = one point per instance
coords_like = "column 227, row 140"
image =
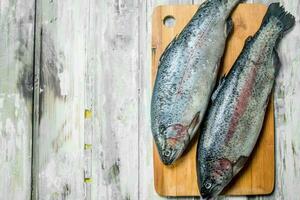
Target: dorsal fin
column 218, row 88
column 248, row 39
column 195, row 123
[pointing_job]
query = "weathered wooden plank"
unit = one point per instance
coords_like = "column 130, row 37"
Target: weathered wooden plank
column 16, row 94
column 89, row 123
column 113, row 52
column 146, row 173
column 59, row 139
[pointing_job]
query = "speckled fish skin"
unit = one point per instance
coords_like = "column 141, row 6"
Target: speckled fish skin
column 186, row 77
column 235, row 116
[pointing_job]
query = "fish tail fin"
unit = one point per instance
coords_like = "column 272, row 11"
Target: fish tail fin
column 286, row 20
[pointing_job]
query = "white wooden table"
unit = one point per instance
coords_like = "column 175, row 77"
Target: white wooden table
column 83, row 131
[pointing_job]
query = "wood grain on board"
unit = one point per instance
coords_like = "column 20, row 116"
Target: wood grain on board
column 180, row 178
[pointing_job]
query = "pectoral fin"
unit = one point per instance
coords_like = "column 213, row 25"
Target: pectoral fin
column 239, row 164
column 194, row 124
column 218, row 88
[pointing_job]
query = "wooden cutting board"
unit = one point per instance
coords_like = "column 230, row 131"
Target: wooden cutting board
column 180, row 179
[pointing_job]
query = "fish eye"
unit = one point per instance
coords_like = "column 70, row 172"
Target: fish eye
column 207, row 185
column 162, row 128
column 167, row 152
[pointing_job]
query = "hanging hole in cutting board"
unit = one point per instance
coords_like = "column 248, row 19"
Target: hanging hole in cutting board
column 169, row 21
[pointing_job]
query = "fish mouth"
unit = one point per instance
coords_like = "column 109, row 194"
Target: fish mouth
column 213, row 192
column 206, row 196
column 167, row 160
column 168, row 157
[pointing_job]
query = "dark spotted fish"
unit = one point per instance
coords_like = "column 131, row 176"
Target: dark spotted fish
column 186, row 77
column 235, row 116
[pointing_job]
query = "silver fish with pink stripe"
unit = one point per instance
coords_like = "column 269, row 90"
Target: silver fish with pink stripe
column 186, row 77
column 235, row 116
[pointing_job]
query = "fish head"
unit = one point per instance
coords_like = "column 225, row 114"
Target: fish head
column 214, row 176
column 172, row 142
